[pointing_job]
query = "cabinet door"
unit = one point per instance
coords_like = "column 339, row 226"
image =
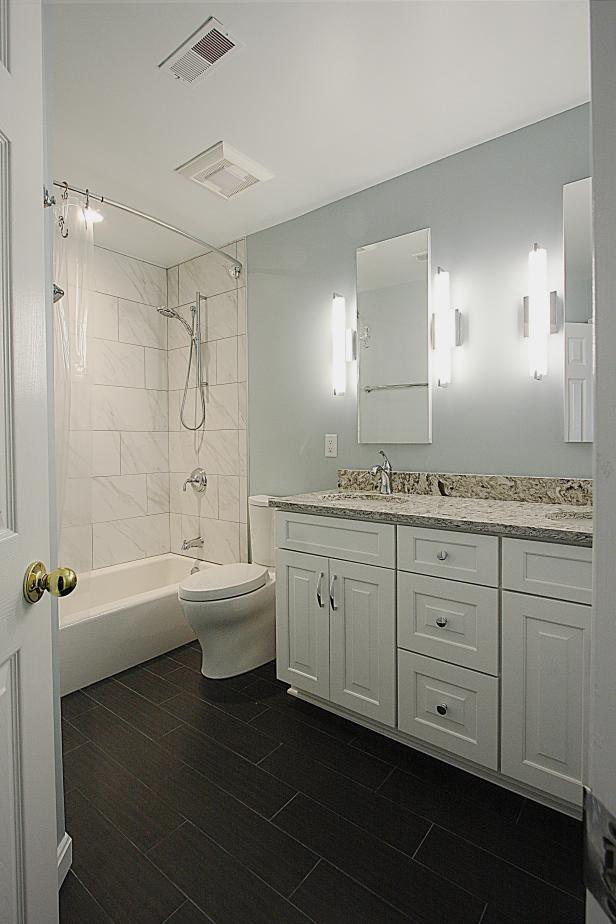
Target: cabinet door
column 545, row 692
column 302, row 621
column 362, row 640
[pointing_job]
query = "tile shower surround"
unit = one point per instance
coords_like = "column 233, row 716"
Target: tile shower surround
column 128, row 457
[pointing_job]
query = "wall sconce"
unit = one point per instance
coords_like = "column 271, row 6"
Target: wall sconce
column 339, row 344
column 539, row 312
column 445, row 327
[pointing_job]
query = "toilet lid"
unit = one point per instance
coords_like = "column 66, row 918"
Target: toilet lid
column 222, row 582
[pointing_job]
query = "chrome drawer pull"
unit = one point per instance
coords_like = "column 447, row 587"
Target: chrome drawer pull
column 332, row 589
column 442, row 555
column 319, row 582
column 442, row 709
column 441, row 622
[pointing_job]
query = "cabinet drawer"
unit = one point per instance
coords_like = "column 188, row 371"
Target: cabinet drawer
column 449, row 620
column 548, row 570
column 335, row 537
column 449, row 706
column 448, row 554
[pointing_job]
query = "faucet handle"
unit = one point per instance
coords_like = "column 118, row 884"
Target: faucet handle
column 198, row 479
column 387, row 463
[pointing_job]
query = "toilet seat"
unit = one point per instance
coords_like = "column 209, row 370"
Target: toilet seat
column 222, row 582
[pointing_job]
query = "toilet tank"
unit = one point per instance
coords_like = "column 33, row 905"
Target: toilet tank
column 261, row 523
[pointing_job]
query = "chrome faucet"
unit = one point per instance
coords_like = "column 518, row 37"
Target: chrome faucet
column 385, row 471
column 198, row 479
column 196, row 543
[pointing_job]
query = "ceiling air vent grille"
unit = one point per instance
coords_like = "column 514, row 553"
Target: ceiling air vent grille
column 224, row 171
column 198, row 54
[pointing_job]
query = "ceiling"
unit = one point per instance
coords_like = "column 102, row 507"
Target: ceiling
column 332, row 97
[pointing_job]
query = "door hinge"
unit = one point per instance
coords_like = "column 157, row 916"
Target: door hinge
column 600, row 853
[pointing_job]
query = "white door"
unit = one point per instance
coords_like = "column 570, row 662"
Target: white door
column 362, row 640
column 578, row 382
column 302, row 621
column 28, row 845
column 546, row 654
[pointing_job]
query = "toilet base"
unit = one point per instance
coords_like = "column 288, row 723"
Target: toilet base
column 237, row 635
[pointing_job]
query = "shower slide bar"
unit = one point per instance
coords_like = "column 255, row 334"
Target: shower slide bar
column 369, row 388
column 235, row 266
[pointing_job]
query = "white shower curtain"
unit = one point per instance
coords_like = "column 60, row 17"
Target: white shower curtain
column 73, row 253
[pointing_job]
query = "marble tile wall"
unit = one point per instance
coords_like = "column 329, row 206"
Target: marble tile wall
column 117, row 495
column 219, row 515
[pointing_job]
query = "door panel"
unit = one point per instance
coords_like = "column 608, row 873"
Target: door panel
column 362, row 640
column 302, row 621
column 544, row 692
column 28, row 856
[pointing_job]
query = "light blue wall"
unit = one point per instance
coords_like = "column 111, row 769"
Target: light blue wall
column 486, row 206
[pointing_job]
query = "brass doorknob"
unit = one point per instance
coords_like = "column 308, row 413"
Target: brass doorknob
column 37, row 580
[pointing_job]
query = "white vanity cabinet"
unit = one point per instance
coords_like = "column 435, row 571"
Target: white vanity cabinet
column 470, row 647
column 335, row 618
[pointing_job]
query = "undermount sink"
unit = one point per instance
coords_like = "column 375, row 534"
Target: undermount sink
column 573, row 514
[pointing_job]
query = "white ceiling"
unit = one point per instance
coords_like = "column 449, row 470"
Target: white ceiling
column 333, row 97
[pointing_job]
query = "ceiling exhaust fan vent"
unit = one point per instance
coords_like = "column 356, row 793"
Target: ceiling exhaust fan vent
column 224, row 171
column 200, row 52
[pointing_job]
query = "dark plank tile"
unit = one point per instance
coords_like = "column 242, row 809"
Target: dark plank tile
column 71, row 737
column 394, row 825
column 121, row 879
column 188, row 656
column 237, row 776
column 494, row 915
column 151, row 686
column 188, row 914
column 498, row 882
column 144, row 758
column 268, row 671
column 275, row 695
column 270, row 853
column 77, row 905
column 161, row 666
column 75, row 704
column 546, row 824
column 438, row 773
column 217, row 692
column 330, row 897
column 410, row 887
column 212, row 721
column 487, row 826
column 363, row 768
column 223, row 888
column 130, row 805
column 134, row 709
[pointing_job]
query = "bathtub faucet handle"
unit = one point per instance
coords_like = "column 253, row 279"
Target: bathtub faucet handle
column 198, row 479
column 196, row 543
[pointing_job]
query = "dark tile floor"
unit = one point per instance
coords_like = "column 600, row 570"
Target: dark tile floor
column 191, row 800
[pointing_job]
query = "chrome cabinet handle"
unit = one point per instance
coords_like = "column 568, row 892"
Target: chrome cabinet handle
column 319, row 583
column 441, row 622
column 332, row 588
column 442, row 708
column 442, row 555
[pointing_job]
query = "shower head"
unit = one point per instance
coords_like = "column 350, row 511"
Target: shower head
column 172, row 313
column 58, row 293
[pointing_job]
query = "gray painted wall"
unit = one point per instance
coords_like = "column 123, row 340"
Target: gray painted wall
column 486, row 206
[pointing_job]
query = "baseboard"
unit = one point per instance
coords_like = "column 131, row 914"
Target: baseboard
column 65, row 857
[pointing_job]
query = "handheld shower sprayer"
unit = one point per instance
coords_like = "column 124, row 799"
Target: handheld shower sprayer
column 194, row 334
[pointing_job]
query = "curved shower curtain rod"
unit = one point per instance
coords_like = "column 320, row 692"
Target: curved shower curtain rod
column 235, row 268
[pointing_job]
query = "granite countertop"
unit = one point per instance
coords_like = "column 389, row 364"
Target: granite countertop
column 518, row 519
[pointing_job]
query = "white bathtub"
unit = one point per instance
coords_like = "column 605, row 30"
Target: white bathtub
column 120, row 616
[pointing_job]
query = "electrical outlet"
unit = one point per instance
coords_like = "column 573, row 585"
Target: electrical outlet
column 331, row 445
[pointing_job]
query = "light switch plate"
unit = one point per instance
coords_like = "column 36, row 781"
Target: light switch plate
column 331, row 445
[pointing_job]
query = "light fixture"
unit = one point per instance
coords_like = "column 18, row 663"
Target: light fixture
column 446, row 330
column 539, row 312
column 90, row 215
column 339, row 344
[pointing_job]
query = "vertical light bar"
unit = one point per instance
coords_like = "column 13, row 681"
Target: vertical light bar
column 339, row 344
column 538, row 312
column 443, row 327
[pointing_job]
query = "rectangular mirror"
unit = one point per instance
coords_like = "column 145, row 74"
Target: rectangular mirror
column 579, row 360
column 393, row 324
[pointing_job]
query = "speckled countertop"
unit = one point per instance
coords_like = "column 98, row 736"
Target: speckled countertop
column 518, row 519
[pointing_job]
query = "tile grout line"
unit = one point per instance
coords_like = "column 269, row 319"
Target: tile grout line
column 278, row 811
column 421, row 843
column 483, row 913
column 303, row 879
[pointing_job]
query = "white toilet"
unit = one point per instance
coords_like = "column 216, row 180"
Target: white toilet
column 232, row 608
